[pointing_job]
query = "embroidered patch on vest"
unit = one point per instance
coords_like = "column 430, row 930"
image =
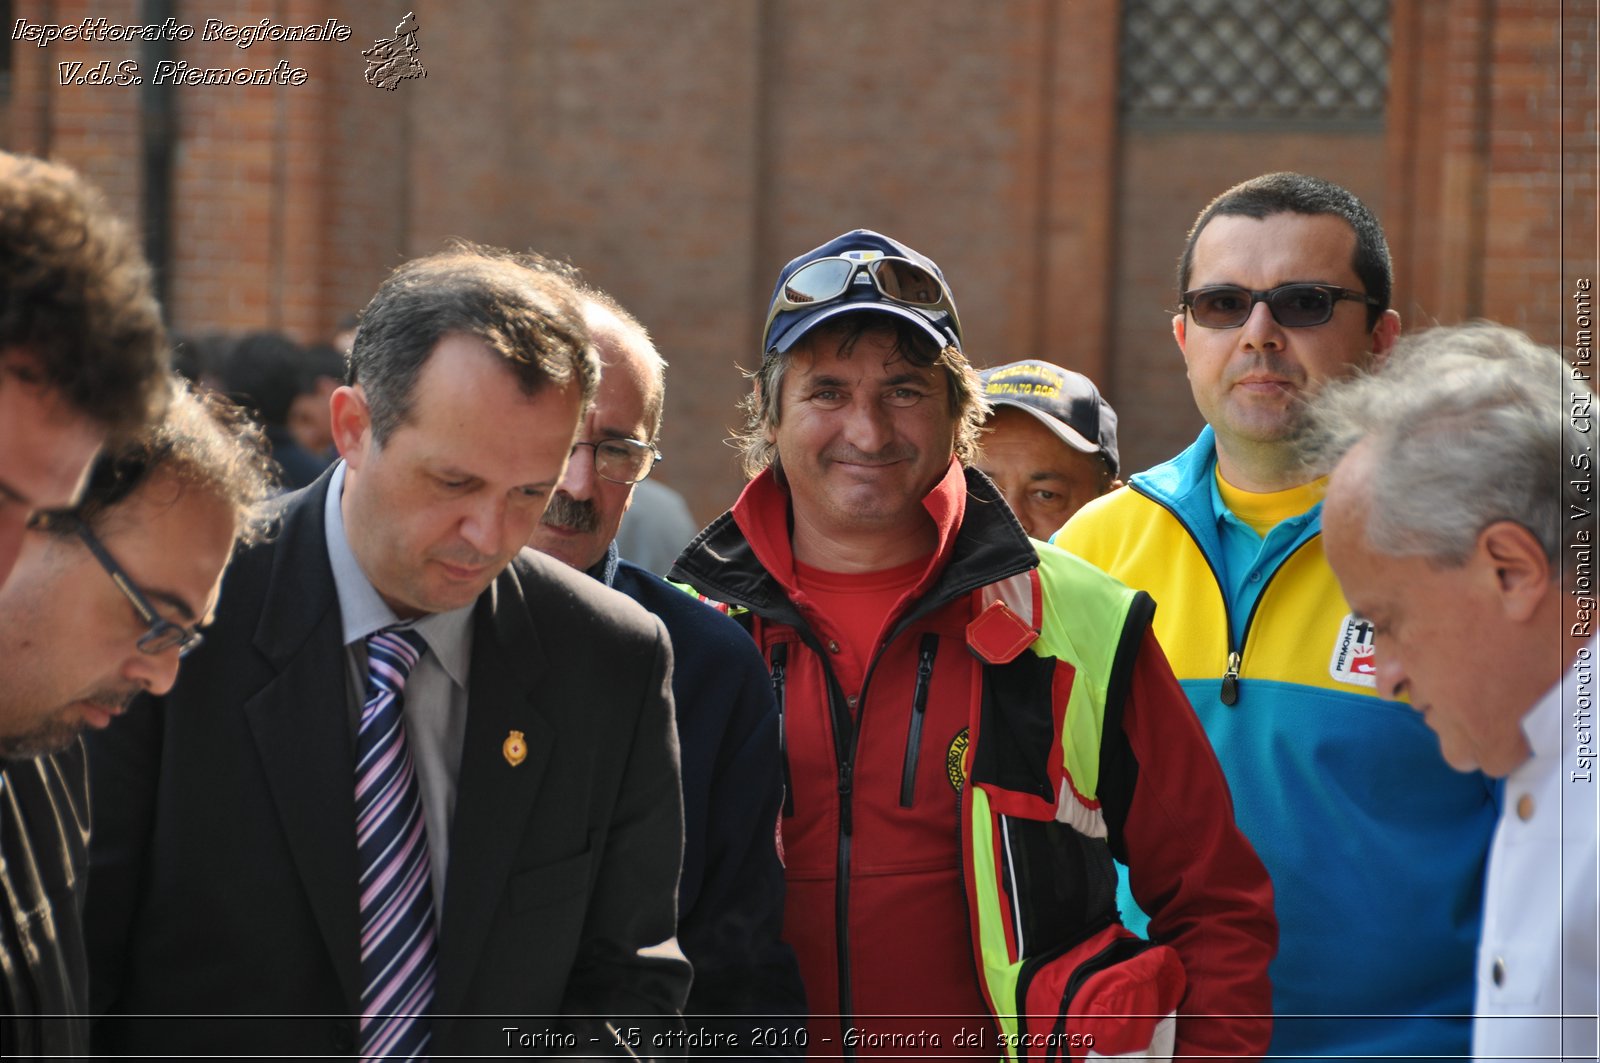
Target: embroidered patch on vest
column 955, row 760
column 1353, row 659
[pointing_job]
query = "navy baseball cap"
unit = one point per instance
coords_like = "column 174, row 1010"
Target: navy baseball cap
column 1063, row 401
column 787, row 326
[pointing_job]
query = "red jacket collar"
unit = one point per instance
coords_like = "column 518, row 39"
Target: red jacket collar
column 762, row 513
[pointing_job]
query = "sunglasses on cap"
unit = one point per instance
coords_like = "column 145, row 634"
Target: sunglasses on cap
column 897, row 279
column 1291, row 305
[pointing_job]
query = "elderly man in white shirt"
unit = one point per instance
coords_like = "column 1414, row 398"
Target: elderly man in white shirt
column 1460, row 520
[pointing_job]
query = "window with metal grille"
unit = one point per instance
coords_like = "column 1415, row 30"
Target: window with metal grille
column 1313, row 63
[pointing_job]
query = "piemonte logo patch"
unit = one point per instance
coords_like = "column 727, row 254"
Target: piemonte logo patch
column 1353, row 659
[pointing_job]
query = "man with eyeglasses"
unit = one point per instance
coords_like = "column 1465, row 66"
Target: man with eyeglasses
column 730, row 896
column 420, row 785
column 103, row 601
column 974, row 724
column 82, row 349
column 1376, row 849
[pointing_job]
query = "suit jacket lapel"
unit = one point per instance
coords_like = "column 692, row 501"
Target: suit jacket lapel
column 300, row 721
column 493, row 796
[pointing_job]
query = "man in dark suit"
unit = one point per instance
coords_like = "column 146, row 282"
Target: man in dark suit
column 747, row 998
column 416, row 788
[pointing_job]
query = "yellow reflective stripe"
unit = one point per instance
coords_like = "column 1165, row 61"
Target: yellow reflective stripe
column 999, row 973
column 1081, row 623
column 1084, row 610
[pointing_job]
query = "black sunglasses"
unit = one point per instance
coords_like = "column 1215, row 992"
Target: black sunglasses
column 161, row 634
column 1291, row 305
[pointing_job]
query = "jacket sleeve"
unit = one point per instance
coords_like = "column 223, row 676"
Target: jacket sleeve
column 630, row 967
column 744, row 976
column 1190, row 867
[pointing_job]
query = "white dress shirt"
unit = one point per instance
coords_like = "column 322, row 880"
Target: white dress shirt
column 1538, row 992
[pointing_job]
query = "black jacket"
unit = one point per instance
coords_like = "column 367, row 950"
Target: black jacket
column 223, row 858
column 730, row 898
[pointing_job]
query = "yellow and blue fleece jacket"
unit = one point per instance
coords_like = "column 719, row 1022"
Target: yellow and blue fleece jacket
column 1375, row 846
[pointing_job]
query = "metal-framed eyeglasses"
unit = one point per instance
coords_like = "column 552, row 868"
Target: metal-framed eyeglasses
column 161, row 634
column 622, row 461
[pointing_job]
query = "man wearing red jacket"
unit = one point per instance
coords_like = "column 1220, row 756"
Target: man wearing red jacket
column 975, row 725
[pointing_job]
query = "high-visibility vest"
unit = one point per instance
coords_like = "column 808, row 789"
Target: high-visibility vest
column 1058, row 644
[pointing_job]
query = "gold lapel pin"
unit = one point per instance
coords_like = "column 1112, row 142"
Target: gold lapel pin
column 515, row 748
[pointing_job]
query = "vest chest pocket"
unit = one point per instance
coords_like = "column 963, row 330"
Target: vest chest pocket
column 1018, row 750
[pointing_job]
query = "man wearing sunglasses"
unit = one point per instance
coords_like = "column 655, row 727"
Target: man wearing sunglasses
column 730, row 895
column 82, row 349
column 1375, row 847
column 102, row 603
column 974, row 724
column 420, row 785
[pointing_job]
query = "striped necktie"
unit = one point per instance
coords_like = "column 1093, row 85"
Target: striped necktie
column 398, row 961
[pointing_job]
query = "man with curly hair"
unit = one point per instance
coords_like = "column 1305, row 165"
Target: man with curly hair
column 103, row 601
column 974, row 724
column 82, row 350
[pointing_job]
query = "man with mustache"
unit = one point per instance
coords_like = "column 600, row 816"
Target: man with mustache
column 974, row 724
column 102, row 602
column 1375, row 847
column 421, row 784
column 730, row 896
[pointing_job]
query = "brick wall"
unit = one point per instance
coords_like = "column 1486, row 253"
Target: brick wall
column 682, row 150
column 1491, row 159
column 607, row 137
column 96, row 128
